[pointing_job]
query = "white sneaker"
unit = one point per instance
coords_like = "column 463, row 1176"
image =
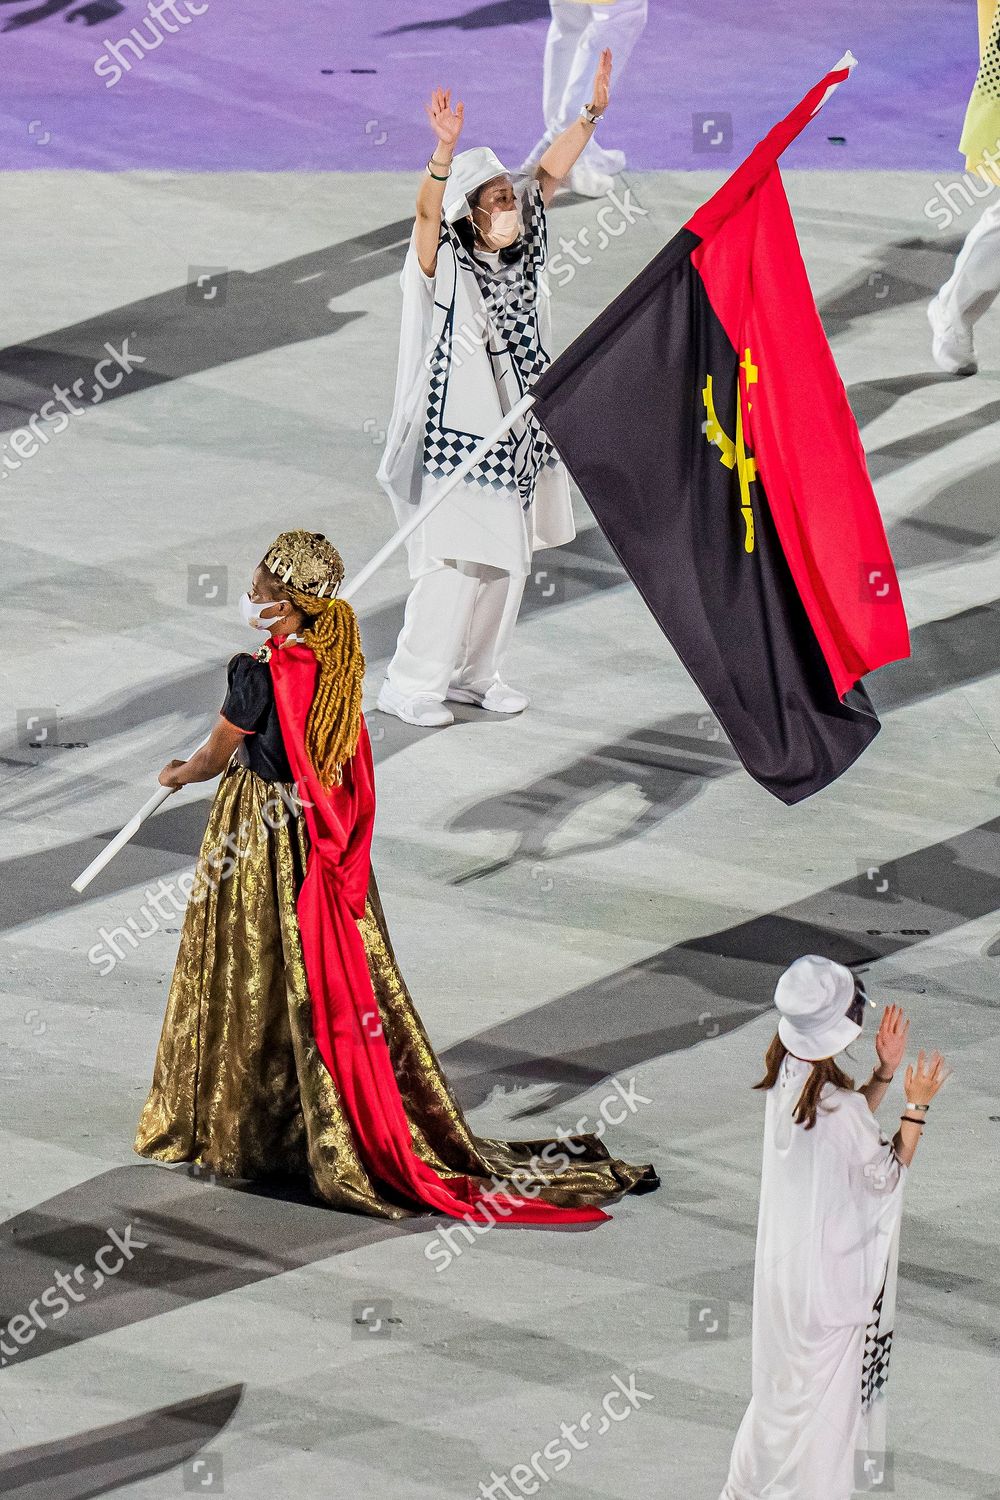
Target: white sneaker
column 497, row 699
column 605, row 161
column 951, row 347
column 424, row 711
column 589, row 182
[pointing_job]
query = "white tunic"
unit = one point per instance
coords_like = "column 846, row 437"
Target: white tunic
column 827, row 1240
column 472, row 340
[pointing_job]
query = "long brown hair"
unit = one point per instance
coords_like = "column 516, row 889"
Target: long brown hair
column 306, row 569
column 334, row 724
column 823, row 1072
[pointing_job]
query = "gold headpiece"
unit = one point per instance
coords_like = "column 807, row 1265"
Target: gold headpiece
column 306, row 561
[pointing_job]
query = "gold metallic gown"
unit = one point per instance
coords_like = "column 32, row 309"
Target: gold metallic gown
column 239, row 1085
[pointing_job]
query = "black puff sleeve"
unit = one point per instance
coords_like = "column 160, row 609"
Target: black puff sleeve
column 250, row 693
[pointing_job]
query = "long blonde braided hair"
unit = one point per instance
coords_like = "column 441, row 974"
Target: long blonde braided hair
column 309, row 570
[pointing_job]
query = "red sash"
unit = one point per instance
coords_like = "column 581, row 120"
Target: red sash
column 345, row 1012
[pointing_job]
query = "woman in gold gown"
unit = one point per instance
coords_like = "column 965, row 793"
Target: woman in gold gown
column 290, row 1042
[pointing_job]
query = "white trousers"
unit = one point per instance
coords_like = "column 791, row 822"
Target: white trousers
column 577, row 36
column 457, row 628
column 975, row 281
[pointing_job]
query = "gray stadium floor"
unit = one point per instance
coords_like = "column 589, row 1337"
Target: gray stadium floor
column 591, row 892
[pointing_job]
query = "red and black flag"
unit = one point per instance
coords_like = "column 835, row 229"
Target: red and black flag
column 703, row 417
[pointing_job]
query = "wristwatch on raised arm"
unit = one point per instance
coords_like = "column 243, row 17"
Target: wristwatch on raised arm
column 589, row 113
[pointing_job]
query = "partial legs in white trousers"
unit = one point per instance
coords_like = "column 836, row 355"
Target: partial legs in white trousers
column 457, row 629
column 487, row 641
column 970, row 291
column 577, row 36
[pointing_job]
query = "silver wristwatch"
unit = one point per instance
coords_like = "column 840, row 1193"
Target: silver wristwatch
column 590, row 115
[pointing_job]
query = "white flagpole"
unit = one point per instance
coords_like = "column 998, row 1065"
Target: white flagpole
column 423, row 511
column 119, row 841
column 352, row 587
column 848, row 61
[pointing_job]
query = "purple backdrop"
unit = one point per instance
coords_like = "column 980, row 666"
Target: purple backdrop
column 286, row 84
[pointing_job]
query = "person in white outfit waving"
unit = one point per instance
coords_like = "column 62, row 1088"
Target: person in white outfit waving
column 475, row 336
column 578, row 32
column 827, row 1245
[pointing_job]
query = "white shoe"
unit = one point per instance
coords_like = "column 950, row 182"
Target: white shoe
column 951, row 347
column 497, row 699
column 424, row 711
column 589, row 182
column 605, row 161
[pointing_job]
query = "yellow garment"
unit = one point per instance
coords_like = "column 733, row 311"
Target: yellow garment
column 239, row 1084
column 981, row 132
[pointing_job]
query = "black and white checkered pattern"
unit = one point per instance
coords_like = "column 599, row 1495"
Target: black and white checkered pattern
column 875, row 1366
column 510, row 295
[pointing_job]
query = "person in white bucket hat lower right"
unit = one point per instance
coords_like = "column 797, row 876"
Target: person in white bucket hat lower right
column 827, row 1245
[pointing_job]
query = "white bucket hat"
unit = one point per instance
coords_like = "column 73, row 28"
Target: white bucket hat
column 469, row 170
column 814, row 996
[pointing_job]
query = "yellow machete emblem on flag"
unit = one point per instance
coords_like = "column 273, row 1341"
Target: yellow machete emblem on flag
column 732, row 452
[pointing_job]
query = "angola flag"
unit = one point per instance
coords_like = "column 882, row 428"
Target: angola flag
column 703, row 417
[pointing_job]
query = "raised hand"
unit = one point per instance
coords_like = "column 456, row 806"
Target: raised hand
column 602, row 83
column 446, row 122
column 925, row 1078
column 890, row 1043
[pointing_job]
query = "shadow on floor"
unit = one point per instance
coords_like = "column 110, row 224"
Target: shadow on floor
column 190, row 1238
column 106, row 1458
column 709, row 986
column 905, row 272
column 873, row 398
column 183, row 331
column 672, row 761
column 481, row 18
column 667, row 764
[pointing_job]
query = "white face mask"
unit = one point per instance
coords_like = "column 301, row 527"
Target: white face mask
column 250, row 613
column 504, row 229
